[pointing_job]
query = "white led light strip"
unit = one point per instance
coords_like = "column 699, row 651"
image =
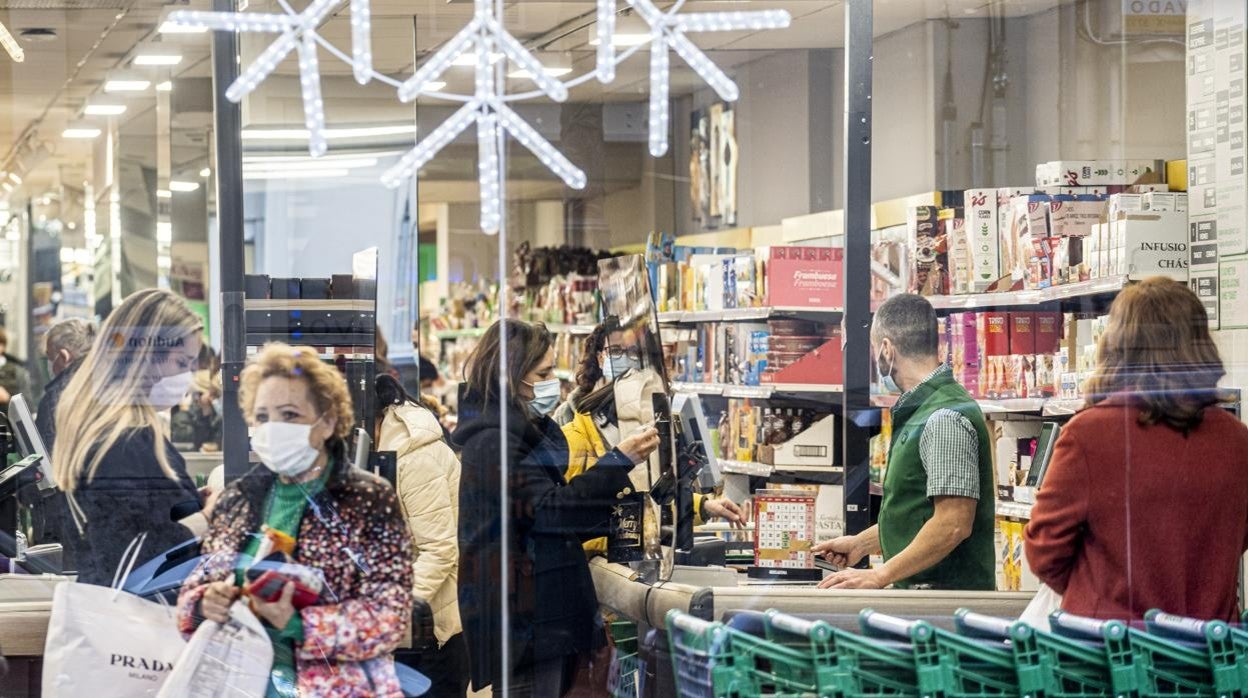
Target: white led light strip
column 487, row 106
column 10, row 44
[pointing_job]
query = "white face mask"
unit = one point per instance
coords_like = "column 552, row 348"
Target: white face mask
column 284, row 447
column 170, row 390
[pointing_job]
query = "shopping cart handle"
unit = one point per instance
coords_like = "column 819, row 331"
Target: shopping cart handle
column 1185, row 628
column 970, row 623
column 892, row 625
column 801, row 627
column 1087, row 627
column 687, row 623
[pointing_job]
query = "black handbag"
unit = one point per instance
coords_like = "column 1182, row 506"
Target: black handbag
column 423, row 637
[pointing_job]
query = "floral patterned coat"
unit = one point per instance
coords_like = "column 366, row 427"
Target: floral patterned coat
column 353, row 532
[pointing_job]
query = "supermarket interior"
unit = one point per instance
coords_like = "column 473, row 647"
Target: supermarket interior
column 653, row 348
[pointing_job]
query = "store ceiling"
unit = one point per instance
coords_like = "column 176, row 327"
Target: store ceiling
column 93, row 37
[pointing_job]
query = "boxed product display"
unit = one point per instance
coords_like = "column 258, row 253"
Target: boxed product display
column 1149, row 244
column 981, row 226
column 929, row 271
column 1073, row 173
column 818, row 359
column 809, row 277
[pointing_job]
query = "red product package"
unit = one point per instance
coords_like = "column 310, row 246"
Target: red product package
column 1048, row 332
column 806, row 277
column 993, row 333
column 1022, row 333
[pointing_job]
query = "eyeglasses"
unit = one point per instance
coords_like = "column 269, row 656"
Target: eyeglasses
column 621, row 352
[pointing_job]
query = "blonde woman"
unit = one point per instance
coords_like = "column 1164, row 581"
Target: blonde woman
column 307, row 514
column 114, row 461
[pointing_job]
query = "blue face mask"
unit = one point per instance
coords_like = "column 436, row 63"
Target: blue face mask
column 617, row 365
column 886, row 377
column 546, row 396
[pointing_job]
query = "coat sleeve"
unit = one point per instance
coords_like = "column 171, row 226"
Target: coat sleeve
column 427, row 504
column 581, row 507
column 375, row 621
column 1054, row 536
column 219, row 552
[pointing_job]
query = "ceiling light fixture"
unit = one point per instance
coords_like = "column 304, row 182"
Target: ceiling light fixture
column 81, row 132
column 205, row 173
column 158, row 59
column 164, row 194
column 126, row 85
column 298, row 174
column 8, row 188
column 14, row 178
column 104, row 109
column 10, row 44
column 469, row 60
column 165, row 86
column 183, row 186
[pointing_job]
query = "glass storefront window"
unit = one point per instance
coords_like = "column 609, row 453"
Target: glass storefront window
column 641, row 348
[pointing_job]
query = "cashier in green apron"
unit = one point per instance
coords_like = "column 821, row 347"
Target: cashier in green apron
column 935, row 527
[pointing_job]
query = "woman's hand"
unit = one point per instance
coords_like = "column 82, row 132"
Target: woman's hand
column 640, row 445
column 217, row 601
column 277, row 613
column 725, row 509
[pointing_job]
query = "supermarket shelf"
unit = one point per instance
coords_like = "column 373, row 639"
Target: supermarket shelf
column 560, row 328
column 677, row 317
column 761, row 392
column 1081, row 289
column 1012, row 406
column 1013, row 510
column 1047, row 407
column 307, row 304
column 457, row 334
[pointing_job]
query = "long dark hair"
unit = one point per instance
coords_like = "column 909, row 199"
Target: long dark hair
column 1157, row 350
column 527, row 345
column 590, row 372
column 390, row 392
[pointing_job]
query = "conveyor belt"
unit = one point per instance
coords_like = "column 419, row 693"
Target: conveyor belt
column 619, row 590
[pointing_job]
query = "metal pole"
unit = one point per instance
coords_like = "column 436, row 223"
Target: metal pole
column 229, row 178
column 856, row 181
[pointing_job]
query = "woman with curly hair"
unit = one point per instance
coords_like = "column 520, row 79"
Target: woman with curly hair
column 307, row 514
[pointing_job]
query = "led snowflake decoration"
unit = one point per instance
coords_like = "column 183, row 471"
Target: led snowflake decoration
column 488, row 106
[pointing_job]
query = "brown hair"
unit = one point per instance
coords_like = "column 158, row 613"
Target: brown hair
column 1157, row 349
column 590, row 372
column 527, row 345
column 326, row 385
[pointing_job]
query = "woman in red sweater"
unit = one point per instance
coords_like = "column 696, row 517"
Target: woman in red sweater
column 1145, row 503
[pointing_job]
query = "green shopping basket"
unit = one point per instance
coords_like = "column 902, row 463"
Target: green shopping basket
column 950, row 665
column 812, row 640
column 702, row 659
column 1227, row 648
column 626, row 677
column 1142, row 664
column 1047, row 665
column 769, row 666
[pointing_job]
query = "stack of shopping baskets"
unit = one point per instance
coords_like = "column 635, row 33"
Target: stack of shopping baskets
column 774, row 654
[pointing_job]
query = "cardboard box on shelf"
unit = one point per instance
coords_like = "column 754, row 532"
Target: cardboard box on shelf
column 1153, row 244
column 805, row 276
column 821, row 366
column 983, row 239
column 1048, row 332
column 959, row 250
column 929, row 270
column 1176, row 175
column 1165, row 201
column 1046, row 375
column 1022, row 332
column 1075, row 218
column 1006, row 236
column 815, row 445
column 1094, row 172
column 992, row 330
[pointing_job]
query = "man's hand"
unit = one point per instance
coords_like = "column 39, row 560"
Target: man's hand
column 854, row 579
column 4, row 396
column 845, row 551
column 726, row 509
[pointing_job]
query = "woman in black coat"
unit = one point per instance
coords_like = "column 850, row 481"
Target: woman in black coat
column 552, row 613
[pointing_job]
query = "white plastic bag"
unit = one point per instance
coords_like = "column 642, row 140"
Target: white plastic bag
column 107, row 643
column 1042, row 604
column 230, row 660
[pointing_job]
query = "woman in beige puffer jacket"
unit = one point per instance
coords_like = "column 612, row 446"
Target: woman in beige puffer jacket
column 428, row 489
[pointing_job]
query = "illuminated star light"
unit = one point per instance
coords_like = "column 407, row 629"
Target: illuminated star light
column 668, row 32
column 297, row 33
column 487, row 110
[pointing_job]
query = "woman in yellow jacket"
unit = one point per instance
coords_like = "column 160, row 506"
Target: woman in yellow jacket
column 594, row 426
column 428, row 489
